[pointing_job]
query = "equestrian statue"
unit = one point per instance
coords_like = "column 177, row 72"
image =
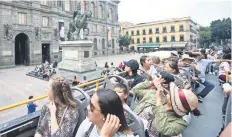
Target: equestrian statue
column 78, row 23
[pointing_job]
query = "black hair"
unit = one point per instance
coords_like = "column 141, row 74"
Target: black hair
column 75, row 77
column 112, row 63
column 167, row 77
column 110, row 103
column 106, row 65
column 30, row 97
column 196, row 112
column 174, row 65
column 84, row 77
column 122, row 87
column 143, row 59
column 227, row 56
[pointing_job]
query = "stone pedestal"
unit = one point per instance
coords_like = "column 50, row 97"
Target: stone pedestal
column 77, row 56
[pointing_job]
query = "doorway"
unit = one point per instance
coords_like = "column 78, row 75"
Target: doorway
column 22, row 49
column 46, row 53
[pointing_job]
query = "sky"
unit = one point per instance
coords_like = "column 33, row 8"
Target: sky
column 201, row 11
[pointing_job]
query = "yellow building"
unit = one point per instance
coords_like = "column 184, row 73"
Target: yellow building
column 172, row 34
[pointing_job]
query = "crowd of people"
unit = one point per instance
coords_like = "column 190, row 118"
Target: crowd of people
column 166, row 90
column 45, row 71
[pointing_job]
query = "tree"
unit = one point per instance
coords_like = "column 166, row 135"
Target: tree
column 124, row 41
column 205, row 36
column 221, row 30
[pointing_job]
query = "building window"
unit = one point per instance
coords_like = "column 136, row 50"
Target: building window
column 45, row 22
column 157, row 39
column 150, row 39
column 67, row 5
column 138, row 33
column 172, row 28
column 22, row 18
column 94, row 29
column 181, row 37
column 144, row 40
column 100, row 12
column 103, row 29
column 181, row 27
column 138, row 41
column 44, row 2
column 164, row 38
column 92, row 9
column 173, row 38
column 157, row 30
column 132, row 33
column 132, row 41
column 111, row 14
column 144, row 32
column 127, row 33
column 164, row 30
column 150, row 31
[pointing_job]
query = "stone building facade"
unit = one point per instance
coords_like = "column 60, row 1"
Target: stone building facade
column 30, row 30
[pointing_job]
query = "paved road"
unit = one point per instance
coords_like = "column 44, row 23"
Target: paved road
column 15, row 86
column 210, row 123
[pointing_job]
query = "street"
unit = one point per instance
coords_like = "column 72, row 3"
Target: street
column 15, row 86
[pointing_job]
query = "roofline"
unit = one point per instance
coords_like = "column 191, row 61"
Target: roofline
column 160, row 22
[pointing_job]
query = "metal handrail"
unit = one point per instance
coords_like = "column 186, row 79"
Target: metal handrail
column 45, row 96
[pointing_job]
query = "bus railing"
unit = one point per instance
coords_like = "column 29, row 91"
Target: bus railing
column 45, row 96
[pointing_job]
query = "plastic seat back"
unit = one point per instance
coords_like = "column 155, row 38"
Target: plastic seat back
column 109, row 85
column 82, row 107
column 136, row 126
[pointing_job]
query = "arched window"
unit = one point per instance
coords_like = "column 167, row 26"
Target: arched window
column 100, row 12
column 92, row 9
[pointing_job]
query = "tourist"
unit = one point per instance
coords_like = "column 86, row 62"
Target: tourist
column 105, row 104
column 31, row 107
column 131, row 75
column 202, row 64
column 106, row 65
column 112, row 65
column 181, row 80
column 179, row 102
column 157, row 64
column 146, row 63
column 123, row 93
column 75, row 81
column 58, row 118
column 224, row 67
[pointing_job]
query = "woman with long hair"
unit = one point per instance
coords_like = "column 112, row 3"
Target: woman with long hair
column 104, row 104
column 60, row 116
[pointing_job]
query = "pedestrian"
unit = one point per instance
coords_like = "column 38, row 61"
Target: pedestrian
column 31, row 107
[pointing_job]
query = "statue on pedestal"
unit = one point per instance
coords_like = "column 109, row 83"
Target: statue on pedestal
column 79, row 22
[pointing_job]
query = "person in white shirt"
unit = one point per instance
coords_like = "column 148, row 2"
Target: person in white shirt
column 105, row 117
column 224, row 68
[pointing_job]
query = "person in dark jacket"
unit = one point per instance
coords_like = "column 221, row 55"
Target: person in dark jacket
column 131, row 68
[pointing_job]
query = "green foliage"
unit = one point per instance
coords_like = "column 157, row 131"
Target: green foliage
column 221, row 29
column 205, row 35
column 218, row 30
column 124, row 40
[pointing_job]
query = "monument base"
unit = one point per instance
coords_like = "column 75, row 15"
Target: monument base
column 77, row 56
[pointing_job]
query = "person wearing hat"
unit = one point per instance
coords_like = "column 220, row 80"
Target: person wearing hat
column 202, row 65
column 147, row 94
column 179, row 102
column 190, row 68
column 131, row 68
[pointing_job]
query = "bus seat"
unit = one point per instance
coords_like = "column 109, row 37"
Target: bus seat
column 137, row 126
column 108, row 84
column 82, row 107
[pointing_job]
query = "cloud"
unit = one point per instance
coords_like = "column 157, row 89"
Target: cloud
column 201, row 11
